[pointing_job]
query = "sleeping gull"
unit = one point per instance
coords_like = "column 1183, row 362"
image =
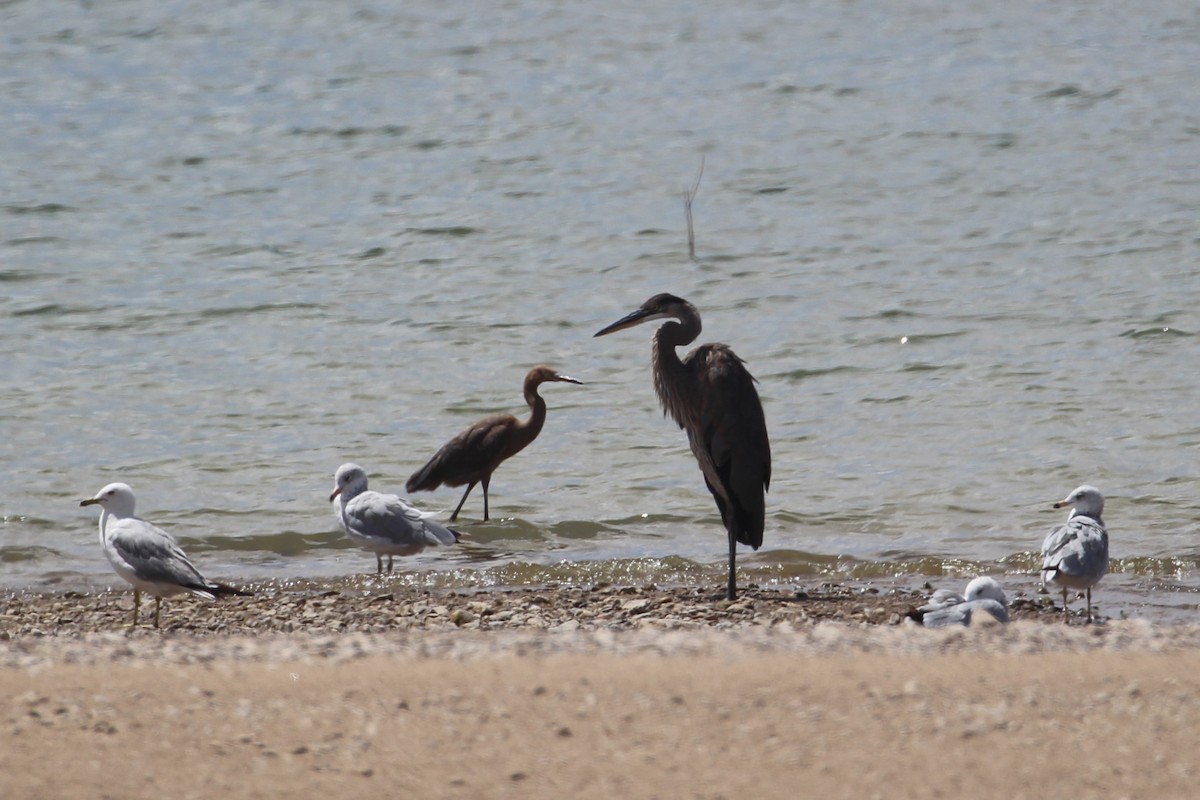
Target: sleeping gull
column 146, row 556
column 383, row 523
column 1075, row 554
column 982, row 596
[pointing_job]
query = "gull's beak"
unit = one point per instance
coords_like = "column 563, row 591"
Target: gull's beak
column 1062, row 504
column 91, row 501
column 567, row 378
column 336, row 492
column 627, row 321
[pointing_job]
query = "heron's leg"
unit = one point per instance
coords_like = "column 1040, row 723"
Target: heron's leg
column 485, row 482
column 731, row 591
column 137, row 601
column 389, row 564
column 157, row 607
column 470, row 486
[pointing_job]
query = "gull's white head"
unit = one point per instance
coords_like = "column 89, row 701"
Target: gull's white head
column 986, row 588
column 349, row 480
column 116, row 498
column 1085, row 501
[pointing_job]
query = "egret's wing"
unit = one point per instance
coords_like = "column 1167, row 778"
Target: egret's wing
column 462, row 459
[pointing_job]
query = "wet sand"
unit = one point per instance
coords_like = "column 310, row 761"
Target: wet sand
column 660, row 693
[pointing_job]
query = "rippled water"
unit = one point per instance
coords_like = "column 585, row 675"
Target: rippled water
column 956, row 244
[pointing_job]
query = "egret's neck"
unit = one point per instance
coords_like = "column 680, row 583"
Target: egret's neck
column 538, row 408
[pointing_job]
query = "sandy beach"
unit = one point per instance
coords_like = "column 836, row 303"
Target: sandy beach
column 669, row 694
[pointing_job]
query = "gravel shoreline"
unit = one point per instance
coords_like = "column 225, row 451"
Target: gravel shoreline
column 359, row 608
column 352, row 621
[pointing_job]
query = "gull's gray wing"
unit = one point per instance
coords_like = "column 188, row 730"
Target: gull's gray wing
column 152, row 554
column 387, row 518
column 963, row 613
column 941, row 599
column 1077, row 549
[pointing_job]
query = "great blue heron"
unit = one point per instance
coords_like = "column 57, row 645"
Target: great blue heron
column 711, row 395
column 146, row 556
column 1075, row 554
column 473, row 455
column 383, row 524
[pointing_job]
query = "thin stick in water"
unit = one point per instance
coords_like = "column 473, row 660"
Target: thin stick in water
column 688, row 196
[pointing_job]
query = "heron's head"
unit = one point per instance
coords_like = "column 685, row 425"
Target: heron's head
column 116, row 498
column 661, row 306
column 349, row 480
column 1086, row 501
column 544, row 374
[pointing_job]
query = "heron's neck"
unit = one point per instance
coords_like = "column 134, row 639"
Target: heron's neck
column 672, row 379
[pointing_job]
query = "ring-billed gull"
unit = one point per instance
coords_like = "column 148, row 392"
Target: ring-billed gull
column 383, row 523
column 474, row 454
column 147, row 556
column 1075, row 554
column 982, row 596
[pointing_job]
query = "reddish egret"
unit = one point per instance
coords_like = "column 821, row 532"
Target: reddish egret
column 473, row 455
column 1075, row 554
column 146, row 556
column 383, row 524
column 712, row 397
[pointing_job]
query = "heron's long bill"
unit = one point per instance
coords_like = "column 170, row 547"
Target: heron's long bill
column 568, row 378
column 627, row 321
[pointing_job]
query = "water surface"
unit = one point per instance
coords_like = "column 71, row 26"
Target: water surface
column 955, row 243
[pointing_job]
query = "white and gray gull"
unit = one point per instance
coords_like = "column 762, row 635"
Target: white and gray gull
column 1075, row 554
column 983, row 596
column 383, row 523
column 146, row 556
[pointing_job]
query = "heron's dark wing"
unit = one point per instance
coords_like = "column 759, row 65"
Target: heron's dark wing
column 466, row 458
column 731, row 440
column 152, row 554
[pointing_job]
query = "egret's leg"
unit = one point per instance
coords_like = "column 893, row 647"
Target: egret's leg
column 470, row 486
